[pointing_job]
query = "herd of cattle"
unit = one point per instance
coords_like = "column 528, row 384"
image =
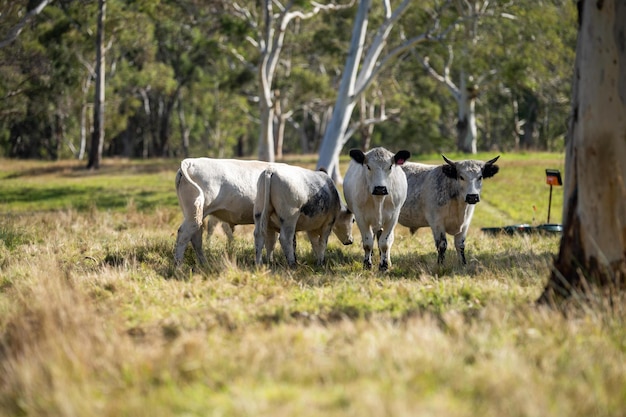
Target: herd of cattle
column 380, row 188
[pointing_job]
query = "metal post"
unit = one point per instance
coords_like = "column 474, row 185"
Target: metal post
column 549, row 203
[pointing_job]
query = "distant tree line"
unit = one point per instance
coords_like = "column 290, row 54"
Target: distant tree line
column 183, row 77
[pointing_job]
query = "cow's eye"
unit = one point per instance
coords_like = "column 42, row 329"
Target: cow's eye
column 368, row 167
column 480, row 178
column 461, row 177
column 390, row 166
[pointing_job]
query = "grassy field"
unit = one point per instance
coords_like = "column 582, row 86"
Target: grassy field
column 96, row 321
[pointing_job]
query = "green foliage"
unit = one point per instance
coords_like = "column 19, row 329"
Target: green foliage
column 169, row 58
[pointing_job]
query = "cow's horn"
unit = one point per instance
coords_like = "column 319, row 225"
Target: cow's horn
column 491, row 161
column 448, row 161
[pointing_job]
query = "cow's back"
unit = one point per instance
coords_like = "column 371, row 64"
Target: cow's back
column 229, row 186
column 299, row 190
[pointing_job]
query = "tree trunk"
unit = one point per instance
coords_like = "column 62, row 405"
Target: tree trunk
column 342, row 111
column 466, row 125
column 184, row 129
column 97, row 138
column 266, row 139
column 593, row 246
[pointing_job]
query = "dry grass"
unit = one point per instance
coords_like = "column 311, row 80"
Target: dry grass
column 95, row 321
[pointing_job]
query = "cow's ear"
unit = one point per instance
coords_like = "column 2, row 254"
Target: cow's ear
column 401, row 156
column 357, row 155
column 490, row 170
column 449, row 171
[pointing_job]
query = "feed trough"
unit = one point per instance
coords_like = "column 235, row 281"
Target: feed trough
column 553, row 177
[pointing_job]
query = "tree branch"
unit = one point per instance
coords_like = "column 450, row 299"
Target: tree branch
column 17, row 29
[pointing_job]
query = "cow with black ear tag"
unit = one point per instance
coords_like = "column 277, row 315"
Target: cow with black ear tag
column 375, row 188
column 443, row 197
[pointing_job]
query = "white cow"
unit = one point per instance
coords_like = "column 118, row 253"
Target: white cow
column 223, row 188
column 290, row 199
column 375, row 188
column 444, row 197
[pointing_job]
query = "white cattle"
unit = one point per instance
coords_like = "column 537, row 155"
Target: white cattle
column 375, row 188
column 291, row 199
column 223, row 188
column 444, row 197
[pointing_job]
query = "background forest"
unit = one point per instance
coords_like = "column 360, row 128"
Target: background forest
column 182, row 77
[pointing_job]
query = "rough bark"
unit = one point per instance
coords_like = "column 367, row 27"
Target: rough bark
column 593, row 247
column 97, row 138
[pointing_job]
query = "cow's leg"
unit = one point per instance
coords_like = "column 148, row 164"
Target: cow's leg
column 459, row 244
column 441, row 243
column 189, row 231
column 259, row 242
column 229, row 229
column 321, row 242
column 287, row 240
column 315, row 239
column 270, row 245
column 196, row 243
column 367, row 237
column 385, row 241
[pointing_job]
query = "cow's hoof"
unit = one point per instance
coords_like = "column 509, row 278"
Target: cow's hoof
column 383, row 267
column 367, row 264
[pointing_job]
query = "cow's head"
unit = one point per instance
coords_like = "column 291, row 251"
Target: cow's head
column 380, row 164
column 470, row 174
column 343, row 225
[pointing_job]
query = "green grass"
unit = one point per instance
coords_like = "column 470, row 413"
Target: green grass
column 96, row 321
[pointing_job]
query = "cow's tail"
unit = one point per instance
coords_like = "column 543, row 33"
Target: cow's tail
column 264, row 220
column 199, row 201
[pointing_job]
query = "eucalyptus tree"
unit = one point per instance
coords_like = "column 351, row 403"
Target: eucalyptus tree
column 511, row 56
column 364, row 62
column 268, row 23
column 27, row 17
column 593, row 246
column 97, row 138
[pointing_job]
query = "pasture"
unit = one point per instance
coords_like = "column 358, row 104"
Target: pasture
column 96, row 321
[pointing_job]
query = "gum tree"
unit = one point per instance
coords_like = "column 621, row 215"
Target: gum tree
column 593, row 246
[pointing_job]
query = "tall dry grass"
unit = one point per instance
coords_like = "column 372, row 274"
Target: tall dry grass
column 95, row 321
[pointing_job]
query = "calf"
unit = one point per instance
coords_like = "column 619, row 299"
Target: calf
column 291, row 199
column 444, row 197
column 224, row 188
column 375, row 188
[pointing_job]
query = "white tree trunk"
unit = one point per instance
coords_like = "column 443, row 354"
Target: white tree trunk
column 466, row 125
column 593, row 247
column 332, row 143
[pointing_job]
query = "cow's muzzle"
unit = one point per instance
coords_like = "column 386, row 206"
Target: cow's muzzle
column 380, row 190
column 472, row 198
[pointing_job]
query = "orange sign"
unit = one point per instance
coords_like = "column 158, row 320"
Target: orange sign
column 553, row 177
column 552, row 181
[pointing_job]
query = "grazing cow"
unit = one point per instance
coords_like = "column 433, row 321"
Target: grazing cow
column 291, row 199
column 375, row 188
column 444, row 197
column 223, row 188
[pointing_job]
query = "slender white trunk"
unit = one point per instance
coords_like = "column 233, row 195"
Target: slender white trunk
column 332, row 143
column 466, row 125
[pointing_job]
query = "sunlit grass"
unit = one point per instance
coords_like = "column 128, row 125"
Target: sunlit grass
column 96, row 321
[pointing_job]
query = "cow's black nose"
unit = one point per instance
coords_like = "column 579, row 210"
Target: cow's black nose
column 380, row 190
column 472, row 198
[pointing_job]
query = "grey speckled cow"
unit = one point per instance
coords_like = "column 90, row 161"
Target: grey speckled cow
column 444, row 197
column 290, row 199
